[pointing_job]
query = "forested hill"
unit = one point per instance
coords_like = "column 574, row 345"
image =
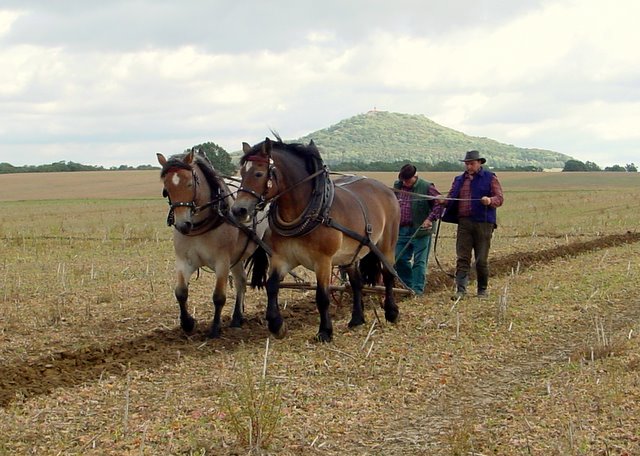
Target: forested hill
column 388, row 136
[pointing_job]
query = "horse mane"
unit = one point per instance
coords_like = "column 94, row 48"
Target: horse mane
column 177, row 161
column 305, row 151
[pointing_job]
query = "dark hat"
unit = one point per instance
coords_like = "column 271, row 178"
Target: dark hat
column 473, row 155
column 407, row 172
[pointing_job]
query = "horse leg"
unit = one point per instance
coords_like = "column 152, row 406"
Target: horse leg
column 274, row 318
column 219, row 298
column 181, row 291
column 390, row 307
column 240, row 283
column 323, row 276
column 357, row 312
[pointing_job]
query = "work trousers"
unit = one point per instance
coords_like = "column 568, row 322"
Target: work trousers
column 473, row 237
column 412, row 255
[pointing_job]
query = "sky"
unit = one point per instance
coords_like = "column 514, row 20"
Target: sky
column 112, row 83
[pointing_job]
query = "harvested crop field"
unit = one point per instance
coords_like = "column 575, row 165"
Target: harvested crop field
column 93, row 361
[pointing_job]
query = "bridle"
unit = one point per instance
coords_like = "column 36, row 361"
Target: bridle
column 192, row 205
column 271, row 176
column 315, row 213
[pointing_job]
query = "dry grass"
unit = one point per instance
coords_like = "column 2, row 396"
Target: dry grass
column 92, row 360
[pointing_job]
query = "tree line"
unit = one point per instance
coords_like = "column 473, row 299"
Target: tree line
column 577, row 165
column 224, row 163
column 220, row 159
column 420, row 166
column 64, row 166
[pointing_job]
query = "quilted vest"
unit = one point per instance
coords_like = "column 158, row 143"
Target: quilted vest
column 480, row 186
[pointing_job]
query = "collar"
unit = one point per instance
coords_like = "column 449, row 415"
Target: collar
column 479, row 173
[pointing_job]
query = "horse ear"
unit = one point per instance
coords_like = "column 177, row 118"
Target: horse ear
column 246, row 148
column 161, row 159
column 266, row 147
column 188, row 159
column 312, row 144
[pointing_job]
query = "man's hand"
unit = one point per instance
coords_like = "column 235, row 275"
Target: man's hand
column 427, row 224
column 485, row 200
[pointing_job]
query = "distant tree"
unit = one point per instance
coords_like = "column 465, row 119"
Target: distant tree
column 421, row 166
column 591, row 166
column 218, row 157
column 59, row 166
column 6, row 168
column 631, row 168
column 574, row 165
column 527, row 168
column 616, row 168
column 446, row 166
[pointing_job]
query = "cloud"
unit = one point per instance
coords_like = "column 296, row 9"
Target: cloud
column 116, row 82
column 227, row 26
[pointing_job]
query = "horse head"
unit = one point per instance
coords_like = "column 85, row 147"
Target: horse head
column 181, row 187
column 259, row 181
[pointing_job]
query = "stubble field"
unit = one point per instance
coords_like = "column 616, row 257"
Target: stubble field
column 92, row 359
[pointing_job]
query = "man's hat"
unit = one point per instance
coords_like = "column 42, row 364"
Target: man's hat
column 407, row 172
column 473, row 155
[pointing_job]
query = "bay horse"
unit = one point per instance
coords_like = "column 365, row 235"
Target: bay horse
column 204, row 234
column 315, row 222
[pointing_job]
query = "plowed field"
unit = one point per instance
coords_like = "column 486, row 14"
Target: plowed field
column 92, row 359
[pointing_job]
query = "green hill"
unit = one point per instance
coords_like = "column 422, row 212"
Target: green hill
column 388, row 137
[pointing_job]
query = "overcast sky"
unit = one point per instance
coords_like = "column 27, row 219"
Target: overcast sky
column 113, row 82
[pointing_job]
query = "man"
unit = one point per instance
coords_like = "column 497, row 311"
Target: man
column 417, row 215
column 475, row 195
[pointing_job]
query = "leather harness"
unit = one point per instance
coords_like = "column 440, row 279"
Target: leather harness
column 318, row 210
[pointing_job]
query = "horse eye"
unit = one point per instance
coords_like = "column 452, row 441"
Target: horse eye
column 165, row 193
column 259, row 174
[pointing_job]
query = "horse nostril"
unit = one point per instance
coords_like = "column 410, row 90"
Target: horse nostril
column 239, row 211
column 184, row 227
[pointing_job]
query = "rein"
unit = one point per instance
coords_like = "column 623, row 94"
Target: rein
column 436, row 235
column 435, row 252
column 316, row 212
column 220, row 211
column 429, row 197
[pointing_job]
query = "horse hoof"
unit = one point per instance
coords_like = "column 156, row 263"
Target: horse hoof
column 281, row 332
column 391, row 315
column 188, row 324
column 214, row 333
column 236, row 323
column 277, row 328
column 323, row 337
column 356, row 322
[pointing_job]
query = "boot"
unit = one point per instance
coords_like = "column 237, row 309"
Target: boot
column 462, row 280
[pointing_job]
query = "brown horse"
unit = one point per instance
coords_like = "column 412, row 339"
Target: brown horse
column 316, row 223
column 205, row 234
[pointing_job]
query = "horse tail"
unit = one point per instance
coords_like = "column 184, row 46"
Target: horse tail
column 370, row 269
column 258, row 264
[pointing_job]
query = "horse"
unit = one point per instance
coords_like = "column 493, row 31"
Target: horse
column 205, row 234
column 352, row 222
